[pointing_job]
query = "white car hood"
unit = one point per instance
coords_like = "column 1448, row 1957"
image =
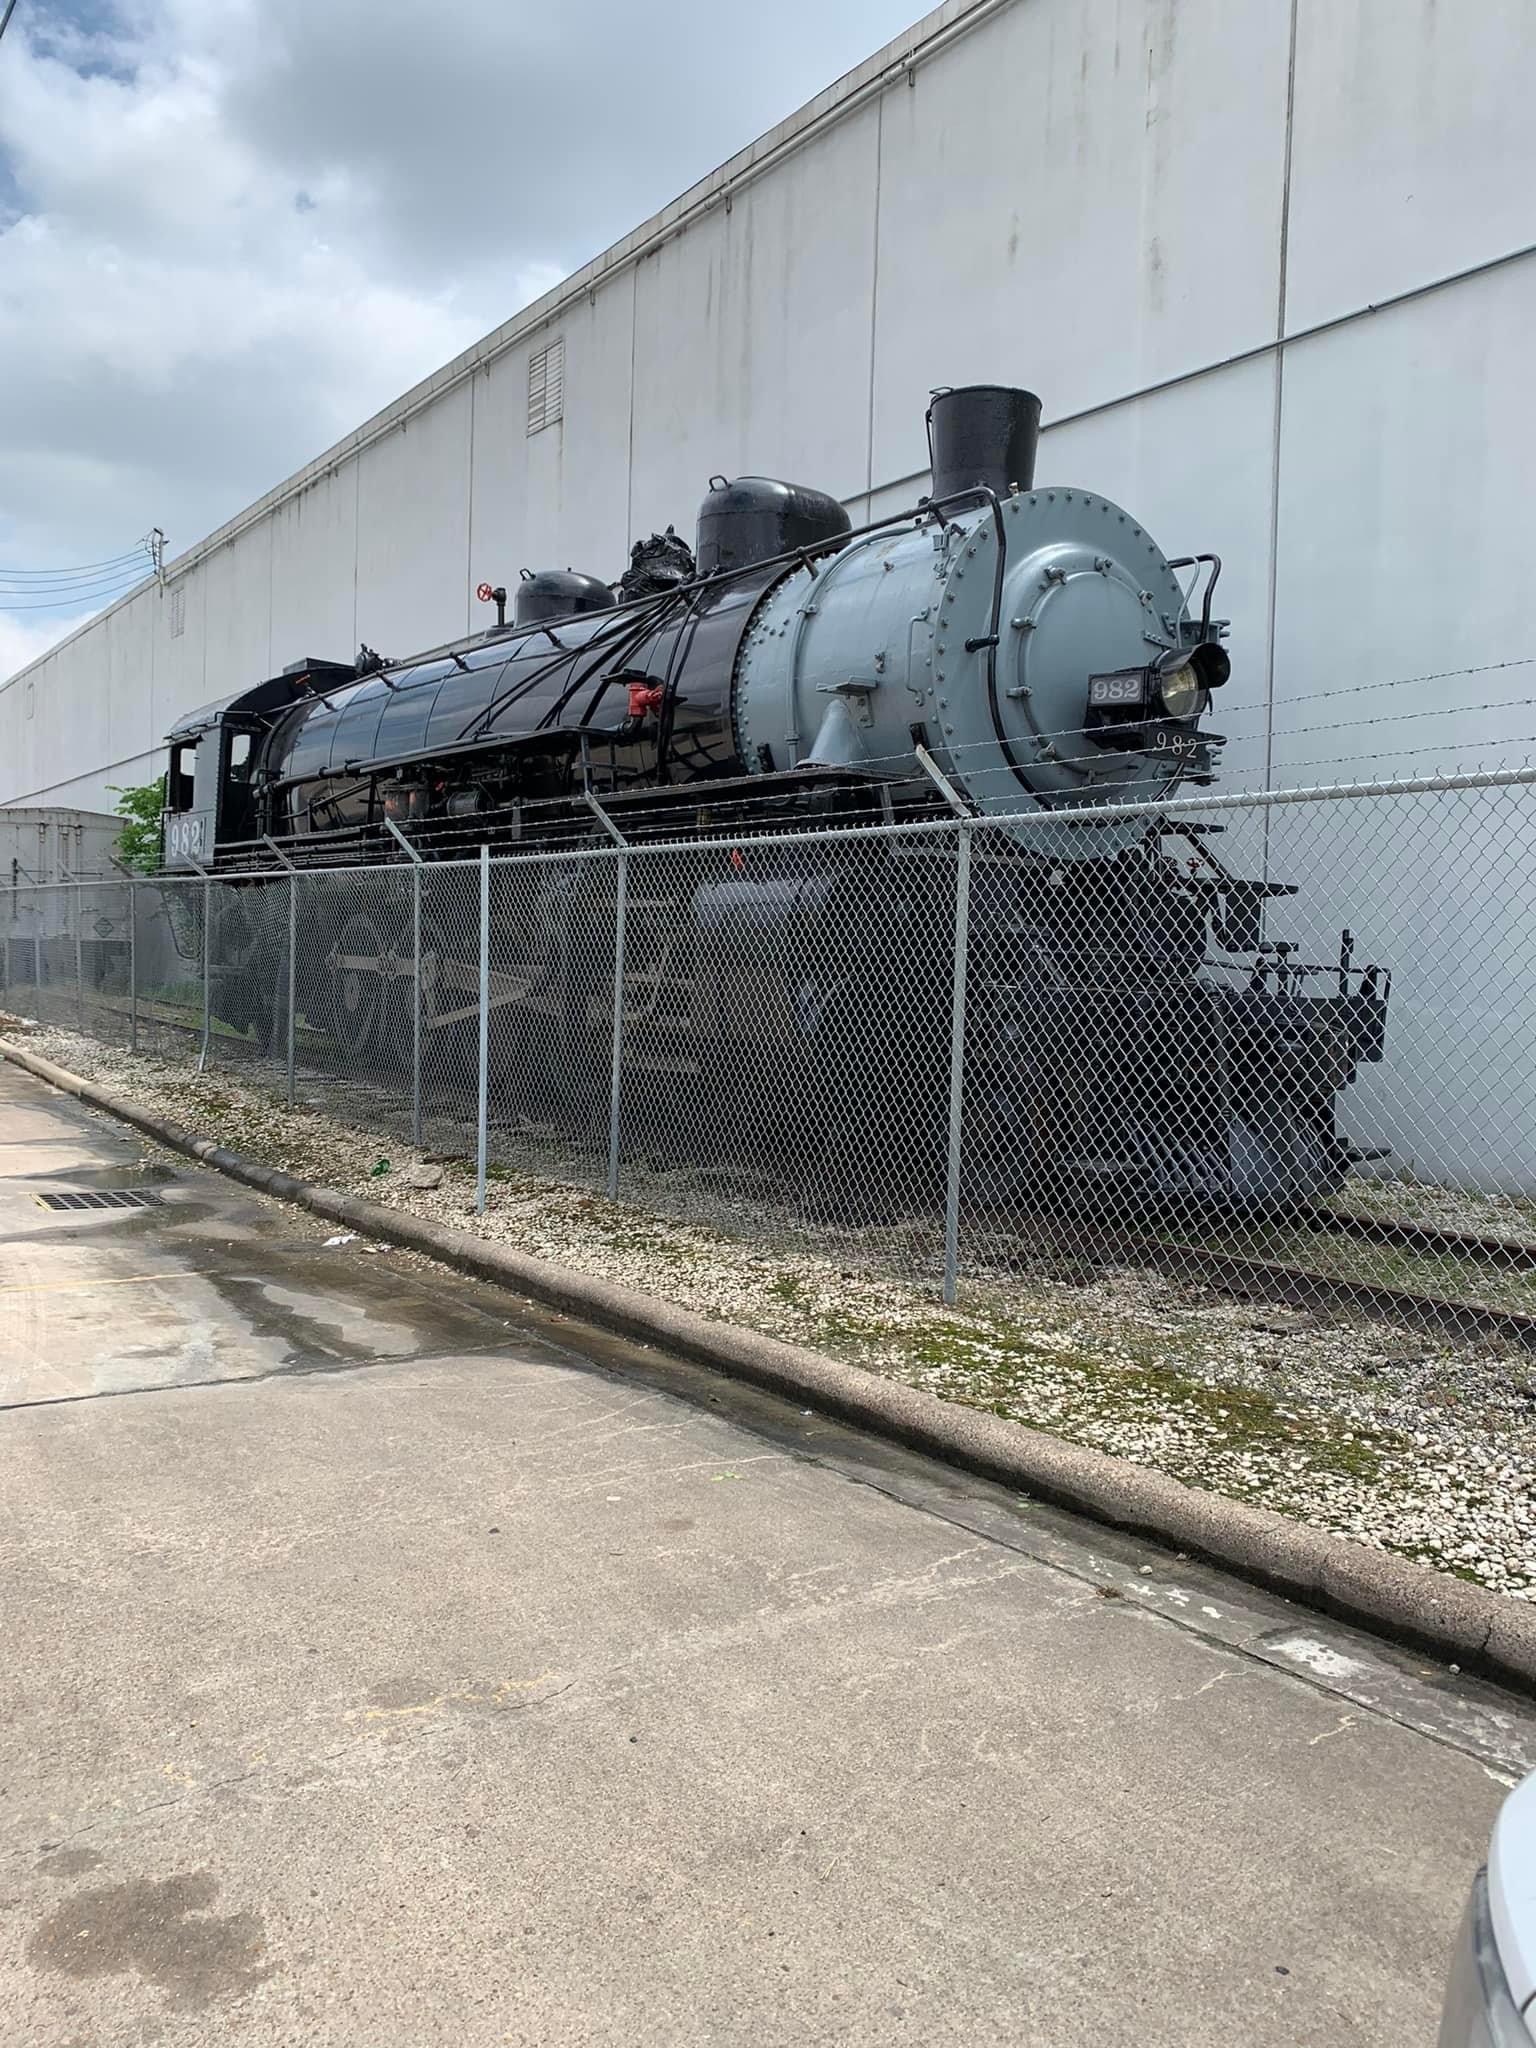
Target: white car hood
column 1512, row 1889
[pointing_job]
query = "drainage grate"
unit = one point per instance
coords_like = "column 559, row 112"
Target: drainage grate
column 114, row 1198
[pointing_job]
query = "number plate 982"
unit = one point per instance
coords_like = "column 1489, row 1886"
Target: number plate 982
column 1125, row 686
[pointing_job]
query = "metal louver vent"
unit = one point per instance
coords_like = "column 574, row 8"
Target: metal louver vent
column 113, row 1198
column 546, row 385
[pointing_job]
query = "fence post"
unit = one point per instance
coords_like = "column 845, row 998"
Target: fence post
column 293, row 944
column 416, row 865
column 133, row 966
column 293, row 977
column 202, row 1054
column 416, row 1005
column 964, row 827
column 964, row 832
column 485, row 1028
column 620, row 936
column 79, row 961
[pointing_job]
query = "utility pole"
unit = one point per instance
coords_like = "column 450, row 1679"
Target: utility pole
column 156, row 537
column 5, row 19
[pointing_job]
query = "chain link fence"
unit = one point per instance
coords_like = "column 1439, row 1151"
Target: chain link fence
column 1280, row 1044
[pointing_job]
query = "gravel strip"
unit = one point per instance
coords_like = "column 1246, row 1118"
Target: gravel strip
column 1374, row 1432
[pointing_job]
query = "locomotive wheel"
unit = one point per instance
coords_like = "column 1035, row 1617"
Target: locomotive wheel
column 359, row 985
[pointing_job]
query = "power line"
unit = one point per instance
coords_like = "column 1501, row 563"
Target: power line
column 78, row 600
column 131, row 565
column 87, row 586
column 140, row 567
column 78, row 571
column 38, row 586
column 5, row 19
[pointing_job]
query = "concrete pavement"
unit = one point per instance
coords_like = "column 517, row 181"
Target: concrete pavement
column 388, row 1663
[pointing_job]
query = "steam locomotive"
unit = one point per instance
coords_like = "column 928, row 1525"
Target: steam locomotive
column 1026, row 658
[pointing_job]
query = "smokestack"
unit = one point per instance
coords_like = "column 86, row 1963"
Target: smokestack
column 983, row 434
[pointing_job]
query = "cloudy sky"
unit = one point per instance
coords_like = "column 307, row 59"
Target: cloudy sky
column 232, row 229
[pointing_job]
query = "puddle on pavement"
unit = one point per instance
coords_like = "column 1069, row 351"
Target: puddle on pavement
column 328, row 1325
column 179, row 1211
column 325, row 1316
column 138, row 1174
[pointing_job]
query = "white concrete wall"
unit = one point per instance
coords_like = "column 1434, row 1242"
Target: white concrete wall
column 1109, row 202
column 1172, row 218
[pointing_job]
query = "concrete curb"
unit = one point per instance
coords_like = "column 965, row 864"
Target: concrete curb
column 1452, row 1619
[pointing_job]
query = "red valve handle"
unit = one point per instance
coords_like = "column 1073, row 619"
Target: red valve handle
column 485, row 593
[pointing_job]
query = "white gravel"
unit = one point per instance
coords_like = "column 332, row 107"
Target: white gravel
column 1379, row 1433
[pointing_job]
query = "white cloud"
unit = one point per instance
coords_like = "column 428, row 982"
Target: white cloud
column 21, row 642
column 230, row 231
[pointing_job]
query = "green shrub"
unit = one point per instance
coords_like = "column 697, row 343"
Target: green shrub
column 138, row 844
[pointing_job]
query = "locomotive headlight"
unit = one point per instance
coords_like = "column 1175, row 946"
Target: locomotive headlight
column 1187, row 675
column 1181, row 690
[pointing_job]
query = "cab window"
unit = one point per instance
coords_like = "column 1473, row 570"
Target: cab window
column 240, row 757
column 179, row 781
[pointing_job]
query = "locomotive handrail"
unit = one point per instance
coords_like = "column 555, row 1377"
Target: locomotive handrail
column 645, row 615
column 988, row 646
column 1193, row 562
column 366, row 769
column 1011, row 823
column 977, row 494
column 803, row 556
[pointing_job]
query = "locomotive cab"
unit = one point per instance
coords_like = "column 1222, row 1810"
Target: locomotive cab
column 208, row 793
column 190, row 819
column 211, row 784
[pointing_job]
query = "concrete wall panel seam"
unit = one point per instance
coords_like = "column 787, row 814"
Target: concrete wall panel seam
column 874, row 303
column 1277, row 427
